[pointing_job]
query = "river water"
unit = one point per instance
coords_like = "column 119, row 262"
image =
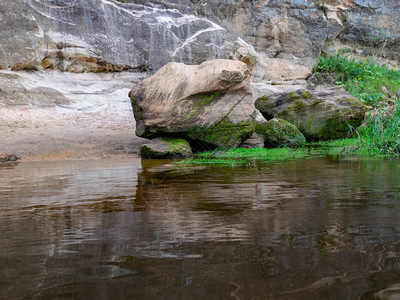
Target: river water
column 127, row 229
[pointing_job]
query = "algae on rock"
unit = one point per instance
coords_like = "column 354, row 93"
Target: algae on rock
column 225, row 135
column 166, row 148
column 280, row 133
column 320, row 114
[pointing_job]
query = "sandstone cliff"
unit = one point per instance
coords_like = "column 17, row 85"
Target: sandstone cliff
column 111, row 35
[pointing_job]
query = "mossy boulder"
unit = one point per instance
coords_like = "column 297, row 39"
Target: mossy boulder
column 324, row 114
column 164, row 148
column 210, row 105
column 280, row 133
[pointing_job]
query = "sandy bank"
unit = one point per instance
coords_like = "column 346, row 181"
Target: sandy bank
column 91, row 116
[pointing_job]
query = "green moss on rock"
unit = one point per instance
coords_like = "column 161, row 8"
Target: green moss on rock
column 293, row 96
column 307, row 95
column 319, row 115
column 299, row 105
column 201, row 100
column 280, row 133
column 225, row 134
column 166, row 147
column 263, row 103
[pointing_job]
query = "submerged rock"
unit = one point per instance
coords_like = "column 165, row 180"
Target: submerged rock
column 280, row 133
column 166, row 148
column 209, row 104
column 319, row 115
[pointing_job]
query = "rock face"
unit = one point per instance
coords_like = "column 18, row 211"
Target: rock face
column 280, row 133
column 166, row 148
column 111, row 35
column 319, row 115
column 210, row 104
column 107, row 35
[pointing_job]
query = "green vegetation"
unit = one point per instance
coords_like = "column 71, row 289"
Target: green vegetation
column 321, row 5
column 381, row 137
column 338, row 148
column 245, row 157
column 370, row 83
column 250, row 157
column 370, row 145
column 361, row 77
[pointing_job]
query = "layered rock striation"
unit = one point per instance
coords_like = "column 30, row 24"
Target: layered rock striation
column 111, row 35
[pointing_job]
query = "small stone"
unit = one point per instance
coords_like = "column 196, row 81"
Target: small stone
column 166, row 148
column 219, row 154
column 6, row 157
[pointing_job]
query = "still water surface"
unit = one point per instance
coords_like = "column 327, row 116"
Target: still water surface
column 310, row 229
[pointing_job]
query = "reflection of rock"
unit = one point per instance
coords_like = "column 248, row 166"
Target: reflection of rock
column 166, row 148
column 319, row 115
column 206, row 233
column 209, row 104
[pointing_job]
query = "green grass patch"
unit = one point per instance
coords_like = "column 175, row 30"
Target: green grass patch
column 239, row 157
column 338, row 148
column 382, row 137
column 246, row 157
column 363, row 78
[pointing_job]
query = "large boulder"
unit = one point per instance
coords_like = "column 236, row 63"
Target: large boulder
column 209, row 104
column 280, row 133
column 319, row 115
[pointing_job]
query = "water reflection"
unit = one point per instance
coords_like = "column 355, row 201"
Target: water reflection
column 314, row 229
